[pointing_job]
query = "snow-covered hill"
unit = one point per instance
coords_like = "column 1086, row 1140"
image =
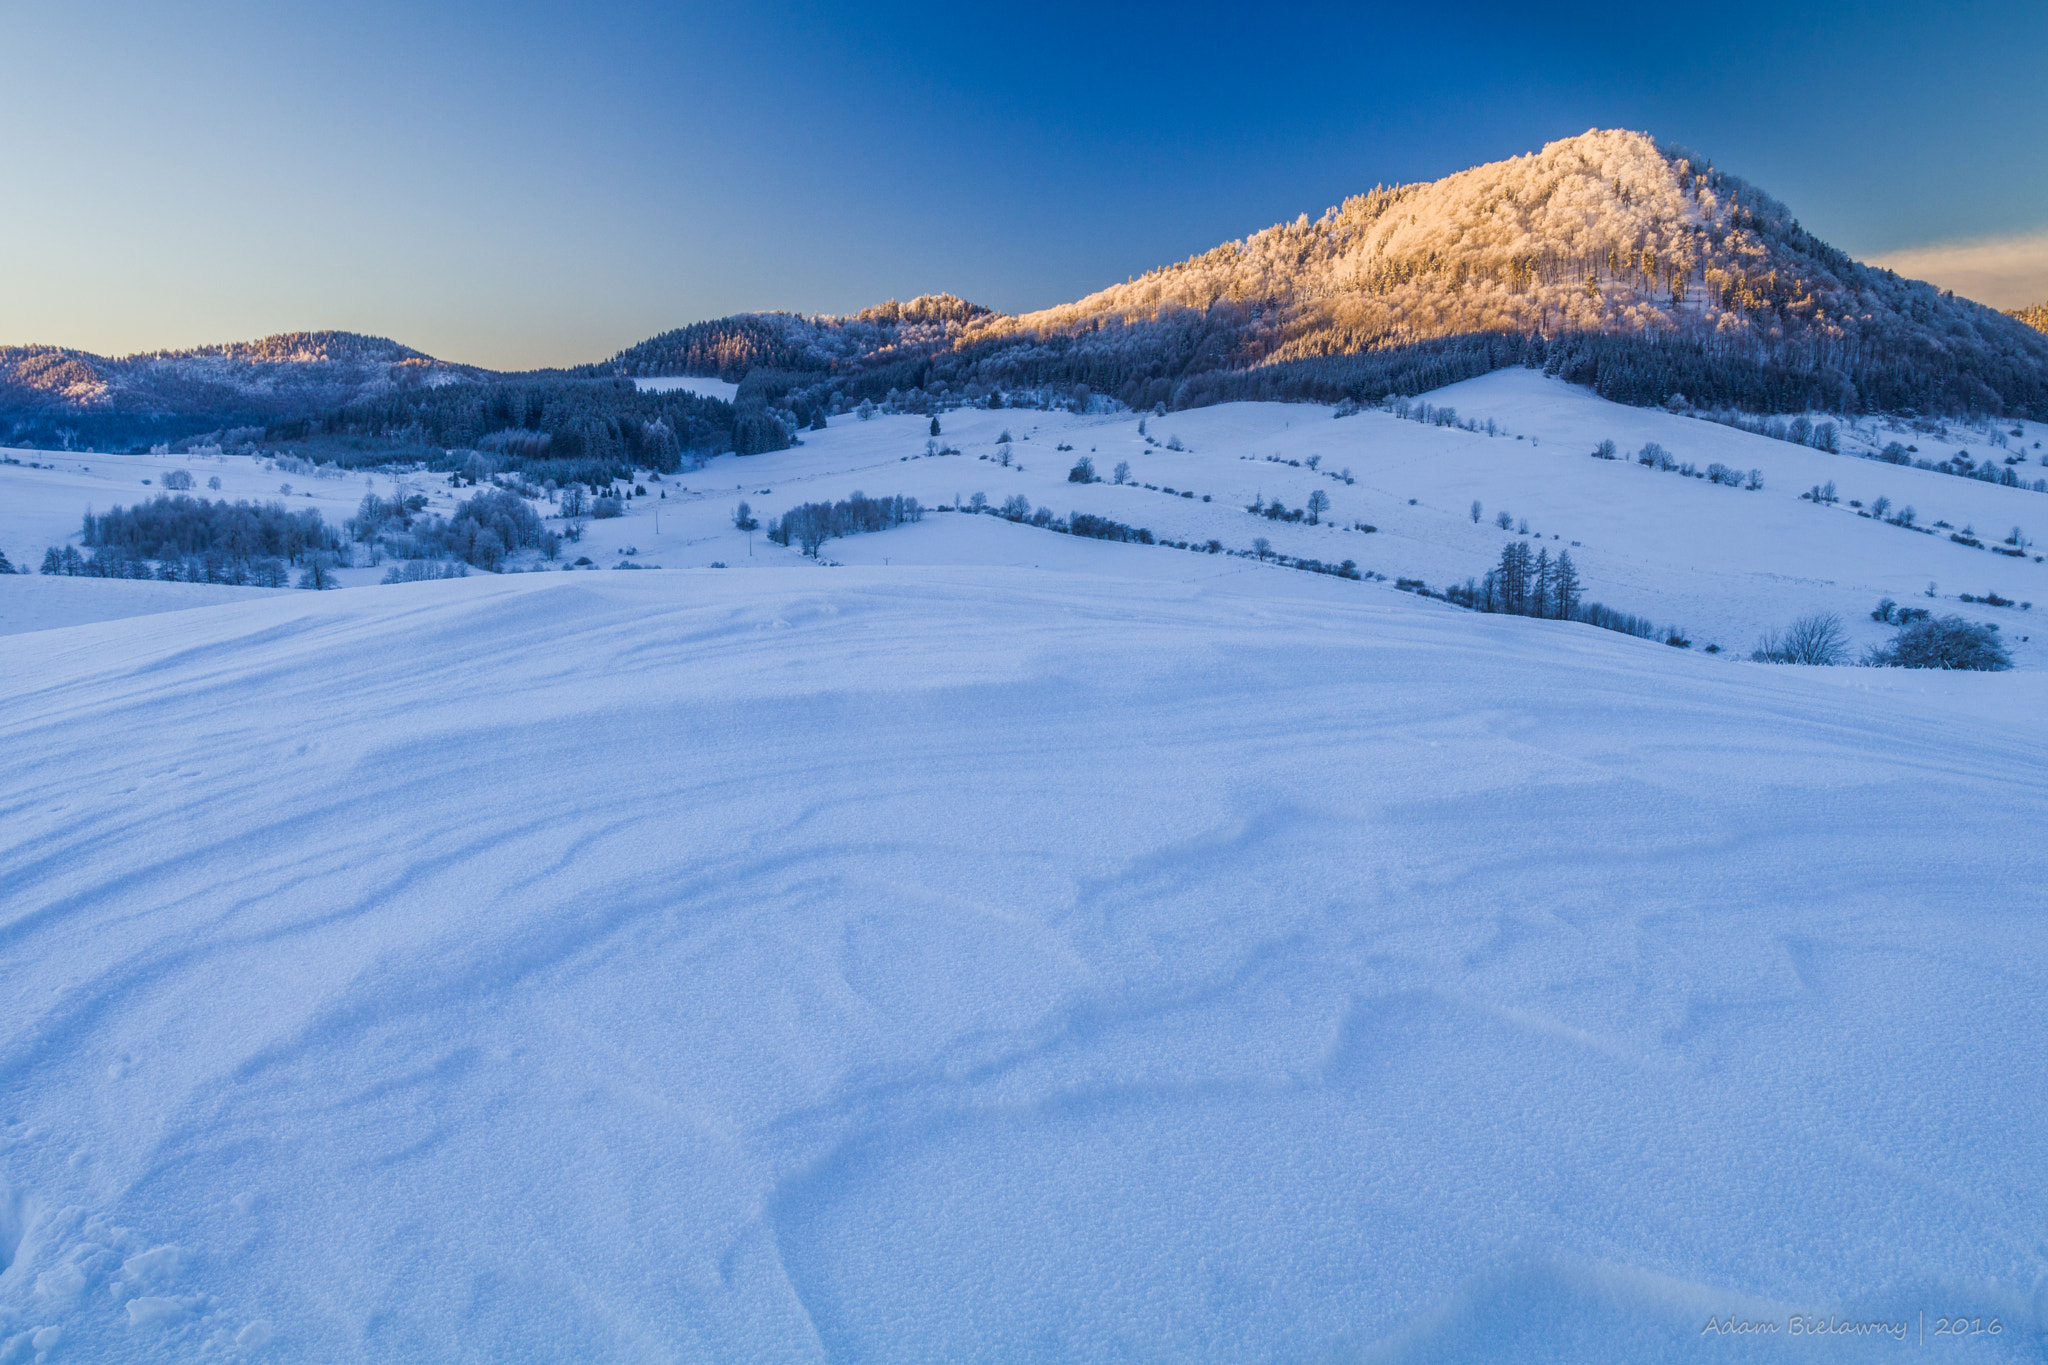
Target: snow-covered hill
column 1637, row 269
column 1722, row 564
column 46, row 391
column 968, row 963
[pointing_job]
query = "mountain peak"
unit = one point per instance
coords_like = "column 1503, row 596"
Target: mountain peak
column 1606, row 231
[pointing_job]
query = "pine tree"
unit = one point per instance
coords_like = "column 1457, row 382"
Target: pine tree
column 1539, row 597
column 5, row 566
column 1564, row 587
column 935, row 424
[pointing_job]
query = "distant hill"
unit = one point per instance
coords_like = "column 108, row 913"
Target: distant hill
column 2035, row 317
column 50, row 394
column 1638, row 270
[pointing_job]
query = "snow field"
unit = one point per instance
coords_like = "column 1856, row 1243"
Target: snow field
column 1725, row 565
column 937, row 963
column 702, row 387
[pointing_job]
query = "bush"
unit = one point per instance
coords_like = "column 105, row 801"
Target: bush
column 179, row 480
column 1082, row 472
column 1816, row 639
column 1102, row 528
column 1943, row 642
column 605, row 508
column 1621, row 622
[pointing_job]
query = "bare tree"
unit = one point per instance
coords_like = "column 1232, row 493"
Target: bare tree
column 1817, row 639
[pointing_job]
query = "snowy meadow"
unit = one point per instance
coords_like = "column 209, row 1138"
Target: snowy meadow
column 976, row 942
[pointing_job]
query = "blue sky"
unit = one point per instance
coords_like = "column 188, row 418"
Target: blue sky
column 535, row 183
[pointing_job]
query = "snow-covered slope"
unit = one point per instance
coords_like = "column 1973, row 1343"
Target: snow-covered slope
column 31, row 602
column 941, row 964
column 1638, row 269
column 1722, row 564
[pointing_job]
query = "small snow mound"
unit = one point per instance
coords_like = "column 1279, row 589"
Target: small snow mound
column 158, row 1263
column 152, row 1311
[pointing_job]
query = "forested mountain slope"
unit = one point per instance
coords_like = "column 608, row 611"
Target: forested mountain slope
column 1619, row 264
column 49, row 391
column 2035, row 317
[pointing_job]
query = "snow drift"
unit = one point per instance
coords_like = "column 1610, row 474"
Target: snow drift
column 943, row 964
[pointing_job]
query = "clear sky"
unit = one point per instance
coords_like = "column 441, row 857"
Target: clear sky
column 534, row 182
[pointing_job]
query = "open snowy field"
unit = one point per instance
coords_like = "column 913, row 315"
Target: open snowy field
column 707, row 388
column 1721, row 564
column 935, row 963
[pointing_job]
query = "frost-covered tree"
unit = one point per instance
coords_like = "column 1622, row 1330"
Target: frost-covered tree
column 1318, row 503
column 1944, row 642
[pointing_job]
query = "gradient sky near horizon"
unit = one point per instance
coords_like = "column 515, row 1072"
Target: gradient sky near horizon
column 534, row 183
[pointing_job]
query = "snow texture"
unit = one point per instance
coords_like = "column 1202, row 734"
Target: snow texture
column 973, row 963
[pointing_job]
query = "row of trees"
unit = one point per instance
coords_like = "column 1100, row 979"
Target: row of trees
column 172, row 527
column 1525, row 584
column 814, row 523
column 589, row 431
column 210, row 566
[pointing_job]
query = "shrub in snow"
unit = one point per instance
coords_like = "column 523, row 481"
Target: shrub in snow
column 1082, row 472
column 178, row 480
column 1504, row 521
column 1122, row 472
column 603, row 509
column 318, row 575
column 1816, row 639
column 1943, row 642
column 1102, row 528
column 743, row 518
column 1621, row 622
column 1605, row 451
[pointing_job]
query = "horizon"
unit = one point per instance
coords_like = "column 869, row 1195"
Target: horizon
column 474, row 197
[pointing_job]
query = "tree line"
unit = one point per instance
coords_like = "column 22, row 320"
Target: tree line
column 814, row 523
